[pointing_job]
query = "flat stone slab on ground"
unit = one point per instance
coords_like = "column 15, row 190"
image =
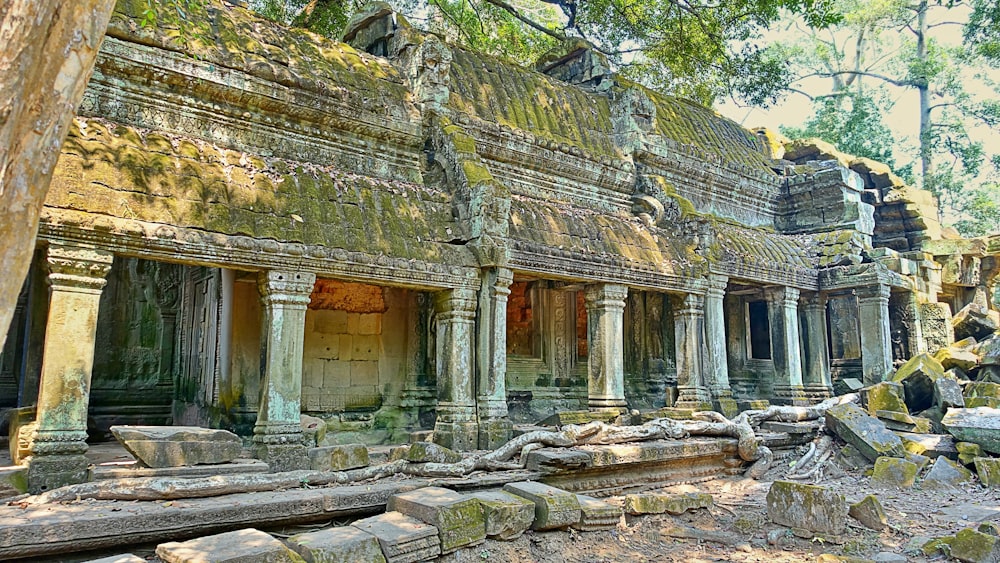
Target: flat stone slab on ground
column 669, row 503
column 176, row 446
column 507, row 516
column 797, row 505
column 338, row 458
column 595, row 514
column 458, row 517
column 894, row 473
column 945, row 474
column 979, row 425
column 866, row 433
column 241, row 546
column 123, row 558
column 403, row 539
column 930, row 445
column 554, row 508
column 342, row 544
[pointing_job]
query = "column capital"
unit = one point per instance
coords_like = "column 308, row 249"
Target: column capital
column 280, row 287
column 812, row 299
column 78, row 268
column 605, row 295
column 689, row 304
column 873, row 292
column 461, row 302
column 717, row 282
column 783, row 294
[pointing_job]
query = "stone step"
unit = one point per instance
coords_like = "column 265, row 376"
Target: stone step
column 343, row 544
column 241, row 546
column 457, row 517
column 554, row 508
column 403, row 539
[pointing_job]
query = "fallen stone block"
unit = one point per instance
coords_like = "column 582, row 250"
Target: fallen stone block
column 982, row 389
column 972, row 546
column 558, row 459
column 991, row 528
column 888, row 557
column 425, row 452
column 948, row 394
column 554, row 508
column 595, row 514
column 884, row 396
column 988, row 469
column 918, row 375
column 894, row 473
column 921, row 461
column 507, row 516
column 343, row 544
column 338, row 458
column 903, row 422
column 458, row 517
column 945, row 474
column 176, row 446
column 403, row 539
column 954, row 357
column 866, row 433
column 974, row 402
column 814, row 508
column 930, row 445
column 241, row 546
column 979, row 425
column 956, row 374
column 870, row 513
column 973, row 321
column 968, row 452
column 313, row 430
column 123, row 558
column 659, row 503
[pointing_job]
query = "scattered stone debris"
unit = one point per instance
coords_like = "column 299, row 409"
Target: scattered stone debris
column 507, row 516
column 866, row 433
column 341, row 544
column 403, row 539
column 894, row 473
column 980, row 425
column 457, row 517
column 659, row 503
column 554, row 508
column 177, row 446
column 870, row 513
column 809, row 507
column 595, row 514
column 945, row 474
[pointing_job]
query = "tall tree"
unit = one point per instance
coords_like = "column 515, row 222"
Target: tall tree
column 47, row 53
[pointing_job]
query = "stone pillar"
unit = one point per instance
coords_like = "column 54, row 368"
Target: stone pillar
column 716, row 359
column 456, row 426
column 783, row 316
column 816, row 375
column 606, row 346
column 76, row 276
column 876, row 343
column 277, row 435
column 494, row 424
column 689, row 341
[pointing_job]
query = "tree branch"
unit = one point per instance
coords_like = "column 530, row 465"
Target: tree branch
column 526, row 20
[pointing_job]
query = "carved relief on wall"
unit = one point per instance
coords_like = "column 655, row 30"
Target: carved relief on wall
column 842, row 315
column 335, row 295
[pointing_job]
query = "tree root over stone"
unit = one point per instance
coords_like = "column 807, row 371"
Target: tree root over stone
column 706, row 423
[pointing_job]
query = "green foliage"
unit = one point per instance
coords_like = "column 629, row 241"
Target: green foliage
column 486, row 28
column 982, row 31
column 853, row 123
column 184, row 15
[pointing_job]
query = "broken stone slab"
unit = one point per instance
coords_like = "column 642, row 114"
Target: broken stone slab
column 968, row 452
column 930, row 445
column 595, row 514
column 982, row 389
column 659, row 503
column 425, row 452
column 507, row 516
column 797, row 505
column 342, row 544
column 870, row 513
column 805, row 427
column 123, row 558
column 894, row 473
column 850, row 458
column 954, row 357
column 945, row 474
column 921, row 461
column 884, row 396
column 948, row 394
column 973, row 402
column 979, row 425
column 313, row 430
column 558, row 459
column 338, row 458
column 973, row 546
column 176, row 446
column 866, row 433
column 554, row 508
column 241, row 546
column 403, row 539
column 988, row 469
column 973, row 321
column 903, row 422
column 918, row 375
column 458, row 517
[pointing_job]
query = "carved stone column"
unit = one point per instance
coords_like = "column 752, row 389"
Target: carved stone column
column 456, row 426
column 77, row 276
column 606, row 346
column 786, row 351
column 494, row 425
column 816, row 375
column 689, row 341
column 277, row 436
column 716, row 360
column 876, row 343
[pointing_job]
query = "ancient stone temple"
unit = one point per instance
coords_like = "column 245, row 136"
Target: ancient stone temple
column 396, row 234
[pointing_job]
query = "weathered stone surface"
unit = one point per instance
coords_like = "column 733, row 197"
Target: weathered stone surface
column 888, row 557
column 884, row 396
column 175, row 446
column 421, row 452
column 595, row 514
column 338, row 458
column 920, row 461
column 918, row 376
column 982, row 389
column 241, row 546
column 813, row 508
column 313, row 430
column 870, row 513
column 974, row 402
column 968, row 452
column 578, row 417
column 978, row 425
column 903, row 422
column 988, row 469
column 123, row 558
column 554, row 508
column 866, row 433
column 343, row 544
column 458, row 517
column 13, row 481
column 948, row 394
column 558, row 459
column 403, row 539
column 973, row 321
column 954, row 357
column 850, row 458
column 945, row 474
column 507, row 516
column 972, row 546
column 892, row 472
column 659, row 503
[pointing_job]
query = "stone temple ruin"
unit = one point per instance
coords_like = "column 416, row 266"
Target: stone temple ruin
column 396, row 235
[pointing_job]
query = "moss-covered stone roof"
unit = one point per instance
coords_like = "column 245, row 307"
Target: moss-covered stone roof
column 495, row 91
column 759, row 249
column 118, row 171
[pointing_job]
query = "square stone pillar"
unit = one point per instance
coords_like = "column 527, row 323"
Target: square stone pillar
column 77, row 277
column 494, row 425
column 786, row 354
column 277, row 435
column 816, row 375
column 689, row 343
column 876, row 343
column 456, row 426
column 716, row 358
column 606, row 346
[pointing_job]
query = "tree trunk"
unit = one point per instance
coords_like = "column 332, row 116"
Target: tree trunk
column 923, row 89
column 47, row 56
